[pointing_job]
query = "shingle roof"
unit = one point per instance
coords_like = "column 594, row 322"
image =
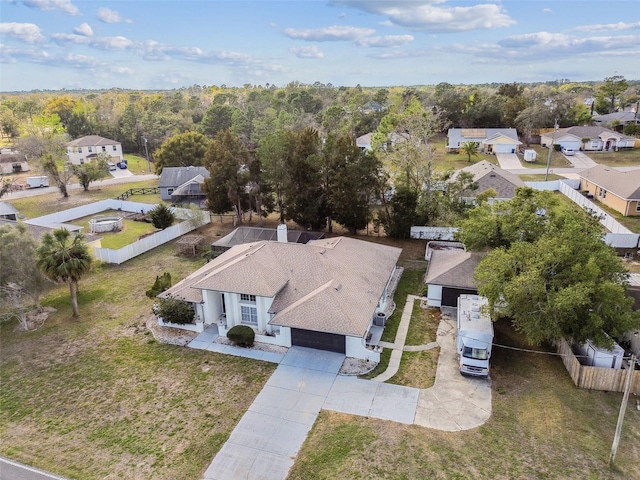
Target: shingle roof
column 176, row 176
column 478, row 134
column 330, row 285
column 592, row 132
column 453, row 268
column 623, row 184
column 488, row 175
column 7, row 209
column 91, row 141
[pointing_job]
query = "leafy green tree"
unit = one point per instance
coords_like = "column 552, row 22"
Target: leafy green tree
column 216, row 119
column 612, row 88
column 523, row 218
column 18, row 260
column 228, row 163
column 161, row 216
column 181, row 150
column 63, row 258
column 273, row 153
column 564, row 284
column 402, row 213
column 469, row 149
column 92, row 171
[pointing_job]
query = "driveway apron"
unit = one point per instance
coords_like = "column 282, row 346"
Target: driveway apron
column 509, row 161
column 267, row 439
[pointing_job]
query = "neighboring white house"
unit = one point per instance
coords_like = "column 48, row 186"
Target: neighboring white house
column 596, row 139
column 488, row 140
column 323, row 294
column 85, row 149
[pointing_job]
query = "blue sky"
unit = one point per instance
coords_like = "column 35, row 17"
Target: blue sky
column 150, row 44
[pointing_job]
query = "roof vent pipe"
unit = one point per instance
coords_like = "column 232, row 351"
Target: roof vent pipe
column 282, row 233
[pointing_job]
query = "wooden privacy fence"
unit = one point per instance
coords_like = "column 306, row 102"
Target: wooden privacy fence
column 596, row 378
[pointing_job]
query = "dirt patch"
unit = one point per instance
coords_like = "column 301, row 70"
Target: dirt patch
column 263, row 347
column 35, row 319
column 356, row 366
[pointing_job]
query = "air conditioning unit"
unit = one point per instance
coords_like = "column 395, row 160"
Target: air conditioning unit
column 380, row 319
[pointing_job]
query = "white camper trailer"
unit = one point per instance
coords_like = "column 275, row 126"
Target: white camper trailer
column 474, row 336
column 36, row 182
column 530, row 155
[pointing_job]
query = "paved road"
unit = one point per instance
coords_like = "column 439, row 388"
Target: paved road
column 118, row 180
column 10, row 470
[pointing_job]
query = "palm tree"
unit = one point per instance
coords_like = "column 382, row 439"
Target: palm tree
column 470, row 148
column 64, row 259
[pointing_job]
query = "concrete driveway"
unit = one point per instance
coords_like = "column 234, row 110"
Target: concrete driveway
column 508, row 161
column 580, row 160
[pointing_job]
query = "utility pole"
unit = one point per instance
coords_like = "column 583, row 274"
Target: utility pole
column 551, row 147
column 623, row 409
column 146, row 151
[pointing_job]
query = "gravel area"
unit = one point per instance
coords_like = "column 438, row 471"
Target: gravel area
column 172, row 336
column 356, row 366
column 264, row 347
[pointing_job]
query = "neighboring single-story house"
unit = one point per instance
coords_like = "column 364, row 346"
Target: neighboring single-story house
column 449, row 275
column 486, row 175
column 323, row 294
column 8, row 211
column 616, row 189
column 616, row 120
column 488, row 140
column 183, row 184
column 600, row 139
column 12, row 162
column 364, row 141
column 86, row 149
column 254, row 234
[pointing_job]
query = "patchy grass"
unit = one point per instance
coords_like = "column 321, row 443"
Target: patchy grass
column 417, row 369
column 557, row 159
column 424, row 325
column 98, row 397
column 540, row 177
column 632, row 223
column 36, row 206
column 542, row 427
column 623, row 158
column 138, row 164
column 443, row 161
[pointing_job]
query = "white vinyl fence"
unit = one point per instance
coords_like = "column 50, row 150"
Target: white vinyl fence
column 192, row 219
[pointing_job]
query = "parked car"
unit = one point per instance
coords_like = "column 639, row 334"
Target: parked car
column 112, row 166
column 568, row 151
column 122, row 165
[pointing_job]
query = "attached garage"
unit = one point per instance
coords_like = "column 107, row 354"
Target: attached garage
column 319, row 340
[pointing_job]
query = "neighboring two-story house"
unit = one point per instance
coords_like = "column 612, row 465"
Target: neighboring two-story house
column 86, row 149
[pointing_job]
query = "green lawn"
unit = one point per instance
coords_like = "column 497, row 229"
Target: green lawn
column 99, row 398
column 443, row 161
column 623, row 158
column 542, row 427
column 557, row 159
column 138, row 165
column 131, row 230
column 539, row 177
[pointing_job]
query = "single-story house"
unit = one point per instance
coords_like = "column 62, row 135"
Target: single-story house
column 254, row 234
column 488, row 140
column 364, row 141
column 183, row 184
column 617, row 120
column 600, row 139
column 12, row 162
column 8, row 211
column 449, row 275
column 486, row 175
column 616, row 189
column 323, row 294
column 86, row 149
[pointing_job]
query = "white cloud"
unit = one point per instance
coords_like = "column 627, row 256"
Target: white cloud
column 425, row 16
column 47, row 5
column 329, row 34
column 385, row 41
column 66, row 38
column 608, row 27
column 546, row 10
column 107, row 15
column 84, row 29
column 27, row 32
column 310, row 51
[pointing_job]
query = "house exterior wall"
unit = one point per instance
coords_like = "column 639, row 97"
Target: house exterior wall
column 356, row 348
column 165, row 193
column 609, row 199
column 434, row 296
column 79, row 155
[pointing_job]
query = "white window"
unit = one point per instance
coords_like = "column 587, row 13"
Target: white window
column 79, row 149
column 115, row 148
column 638, row 207
column 90, row 149
column 104, row 149
column 169, row 191
column 247, row 298
column 249, row 315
